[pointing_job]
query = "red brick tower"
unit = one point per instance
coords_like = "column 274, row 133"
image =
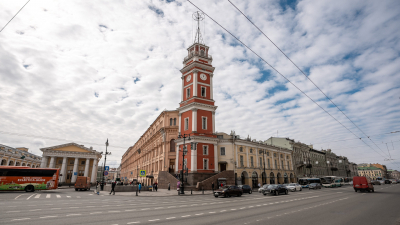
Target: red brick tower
column 197, row 113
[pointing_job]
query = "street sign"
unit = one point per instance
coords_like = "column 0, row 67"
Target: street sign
column 106, row 168
column 142, row 173
column 75, row 173
column 105, row 173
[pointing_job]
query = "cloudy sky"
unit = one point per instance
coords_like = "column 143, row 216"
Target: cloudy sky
column 85, row 71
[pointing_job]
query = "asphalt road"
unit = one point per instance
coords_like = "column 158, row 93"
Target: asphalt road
column 325, row 206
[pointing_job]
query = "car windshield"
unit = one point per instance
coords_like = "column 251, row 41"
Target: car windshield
column 265, row 185
column 313, row 184
column 273, row 186
column 291, row 184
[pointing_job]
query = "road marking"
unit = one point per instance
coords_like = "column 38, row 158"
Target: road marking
column 95, row 212
column 44, row 217
column 133, row 222
column 159, row 208
column 73, row 214
column 30, row 196
column 223, row 211
column 185, row 216
column 74, row 207
column 48, row 195
column 129, row 210
column 113, row 211
column 90, row 206
column 22, row 219
column 171, row 218
column 68, row 197
column 154, row 220
column 58, row 196
column 55, row 208
column 211, row 212
column 37, row 196
column 78, row 196
column 199, row 214
column 35, row 210
column 18, row 196
column 233, row 209
column 12, row 211
column 146, row 209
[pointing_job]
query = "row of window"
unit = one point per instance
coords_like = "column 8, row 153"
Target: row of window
column 202, row 93
column 261, row 152
column 203, row 123
column 261, row 163
column 172, row 121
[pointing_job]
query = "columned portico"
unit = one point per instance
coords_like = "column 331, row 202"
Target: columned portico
column 87, row 168
column 43, row 164
column 63, row 170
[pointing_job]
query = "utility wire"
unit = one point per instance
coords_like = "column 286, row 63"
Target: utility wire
column 305, row 75
column 356, row 138
column 284, row 77
column 14, row 16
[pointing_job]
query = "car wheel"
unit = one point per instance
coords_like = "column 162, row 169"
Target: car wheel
column 355, row 190
column 295, row 189
column 301, row 189
column 276, row 193
column 286, row 192
column 216, row 196
column 76, row 189
column 29, row 188
column 264, row 193
column 373, row 190
column 250, row 191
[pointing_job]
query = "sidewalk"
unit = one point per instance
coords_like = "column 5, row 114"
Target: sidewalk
column 159, row 193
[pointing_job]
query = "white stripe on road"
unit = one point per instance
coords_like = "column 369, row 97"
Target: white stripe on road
column 18, row 196
column 30, row 197
column 58, row 196
column 68, row 196
column 199, row 214
column 22, row 219
column 37, row 196
column 12, row 211
column 133, row 222
column 95, row 212
column 48, row 195
column 44, row 217
column 154, row 220
column 185, row 216
column 35, row 210
column 55, row 208
column 74, row 214
column 171, row 218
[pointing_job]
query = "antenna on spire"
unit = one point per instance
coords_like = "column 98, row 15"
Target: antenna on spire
column 198, row 16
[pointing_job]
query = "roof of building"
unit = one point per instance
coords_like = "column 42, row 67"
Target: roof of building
column 17, row 151
column 369, row 168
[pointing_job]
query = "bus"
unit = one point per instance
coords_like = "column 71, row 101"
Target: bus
column 24, row 178
column 305, row 182
column 332, row 181
column 348, row 180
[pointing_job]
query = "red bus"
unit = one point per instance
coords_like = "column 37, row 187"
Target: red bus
column 24, row 178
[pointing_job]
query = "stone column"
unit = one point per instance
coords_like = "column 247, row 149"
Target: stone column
column 213, row 122
column 211, row 86
column 93, row 178
column 183, row 85
column 43, row 164
column 257, row 163
column 8, row 161
column 194, row 120
column 237, row 156
column 52, row 162
column 215, row 158
column 247, row 156
column 177, row 156
column 273, row 160
column 193, row 163
column 179, row 118
column 64, row 170
column 73, row 180
column 195, row 83
column 15, row 162
column 265, row 160
column 87, row 167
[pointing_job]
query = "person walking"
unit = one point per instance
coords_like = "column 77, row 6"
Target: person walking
column 169, row 186
column 98, row 188
column 178, row 186
column 155, row 186
column 112, row 188
column 140, row 187
column 212, row 187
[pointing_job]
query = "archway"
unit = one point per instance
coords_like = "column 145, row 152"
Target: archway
column 17, row 164
column 37, row 166
column 286, row 178
column 272, row 178
column 279, row 177
column 264, row 178
column 23, row 164
column 11, row 163
column 244, row 176
column 28, row 165
column 254, row 179
column 291, row 178
column 3, row 162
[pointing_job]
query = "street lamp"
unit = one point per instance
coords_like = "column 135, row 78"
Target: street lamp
column 137, row 173
column 328, row 166
column 184, row 151
column 104, row 168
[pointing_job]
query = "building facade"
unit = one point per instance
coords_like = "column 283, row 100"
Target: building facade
column 370, row 171
column 10, row 156
column 254, row 162
column 310, row 162
column 154, row 151
column 394, row 174
column 73, row 160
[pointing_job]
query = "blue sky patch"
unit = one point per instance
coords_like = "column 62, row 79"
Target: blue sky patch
column 96, row 94
column 136, row 80
column 288, row 4
column 156, row 10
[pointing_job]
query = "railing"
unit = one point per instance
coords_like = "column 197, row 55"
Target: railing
column 197, row 53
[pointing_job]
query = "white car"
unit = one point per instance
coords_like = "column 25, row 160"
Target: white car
column 381, row 181
column 262, row 188
column 294, row 187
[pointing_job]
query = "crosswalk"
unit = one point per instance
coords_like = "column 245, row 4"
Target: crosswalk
column 45, row 196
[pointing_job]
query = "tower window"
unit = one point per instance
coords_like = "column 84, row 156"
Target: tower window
column 186, row 123
column 202, row 52
column 241, row 149
column 205, row 164
column 241, row 161
column 188, row 93
column 204, row 123
column 203, row 91
column 205, row 149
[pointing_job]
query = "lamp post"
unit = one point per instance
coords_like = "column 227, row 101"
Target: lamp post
column 328, row 166
column 137, row 173
column 104, row 168
column 184, row 151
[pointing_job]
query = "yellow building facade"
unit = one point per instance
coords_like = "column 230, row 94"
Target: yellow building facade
column 10, row 156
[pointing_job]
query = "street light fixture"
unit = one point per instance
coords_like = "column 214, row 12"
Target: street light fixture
column 104, row 168
column 184, row 151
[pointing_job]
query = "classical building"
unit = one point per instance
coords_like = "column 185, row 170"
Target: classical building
column 73, row 160
column 254, row 161
column 394, row 174
column 310, row 162
column 10, row 156
column 383, row 168
column 370, row 171
column 154, row 151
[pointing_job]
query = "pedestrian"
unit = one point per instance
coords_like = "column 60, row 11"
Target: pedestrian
column 155, row 186
column 140, row 187
column 169, row 186
column 98, row 188
column 112, row 188
column 212, row 187
column 178, row 185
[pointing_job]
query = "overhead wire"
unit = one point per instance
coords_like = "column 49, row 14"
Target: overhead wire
column 305, row 75
column 284, row 77
column 14, row 16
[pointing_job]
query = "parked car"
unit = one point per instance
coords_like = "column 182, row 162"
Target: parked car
column 388, row 182
column 82, row 183
column 246, row 189
column 275, row 189
column 294, row 187
column 262, row 188
column 228, row 191
column 314, row 186
column 393, row 181
column 381, row 181
column 362, row 184
column 375, row 182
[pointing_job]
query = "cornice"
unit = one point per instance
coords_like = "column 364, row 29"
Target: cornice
column 197, row 105
column 197, row 64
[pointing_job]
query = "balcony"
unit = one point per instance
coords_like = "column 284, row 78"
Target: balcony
column 309, row 165
column 334, row 168
column 197, row 53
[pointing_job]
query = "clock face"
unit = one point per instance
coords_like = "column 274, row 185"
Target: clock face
column 188, row 78
column 203, row 76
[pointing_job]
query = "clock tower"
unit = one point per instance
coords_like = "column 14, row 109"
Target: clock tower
column 198, row 154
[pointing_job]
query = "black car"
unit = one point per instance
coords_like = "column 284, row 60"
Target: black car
column 228, row 191
column 246, row 188
column 388, row 182
column 275, row 189
column 315, row 186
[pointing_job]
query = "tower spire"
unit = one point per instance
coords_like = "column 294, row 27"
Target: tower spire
column 198, row 16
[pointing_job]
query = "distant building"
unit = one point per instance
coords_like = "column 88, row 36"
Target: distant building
column 10, row 156
column 377, row 165
column 370, row 171
column 394, row 174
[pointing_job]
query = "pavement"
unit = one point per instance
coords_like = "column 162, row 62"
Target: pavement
column 326, row 206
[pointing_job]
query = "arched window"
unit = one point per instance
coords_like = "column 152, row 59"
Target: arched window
column 174, row 121
column 202, row 52
column 170, row 122
column 172, row 145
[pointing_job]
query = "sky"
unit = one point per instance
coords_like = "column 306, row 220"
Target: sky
column 85, row 71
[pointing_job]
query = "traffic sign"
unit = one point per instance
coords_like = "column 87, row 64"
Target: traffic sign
column 106, row 168
column 105, row 173
column 142, row 173
column 75, row 173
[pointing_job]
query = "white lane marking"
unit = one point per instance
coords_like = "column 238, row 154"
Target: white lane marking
column 129, row 210
column 154, row 220
column 171, row 218
column 133, row 222
column 30, row 196
column 68, row 196
column 48, row 195
column 22, row 219
column 199, row 214
column 37, row 196
column 58, row 196
column 211, row 212
column 35, row 210
column 223, row 211
column 12, row 211
column 48, row 204
column 44, row 217
column 74, row 207
column 55, row 208
column 146, row 209
column 185, row 216
column 159, row 208
column 18, row 196
column 95, row 212
column 233, row 209
column 113, row 211
column 78, row 196
column 73, row 214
